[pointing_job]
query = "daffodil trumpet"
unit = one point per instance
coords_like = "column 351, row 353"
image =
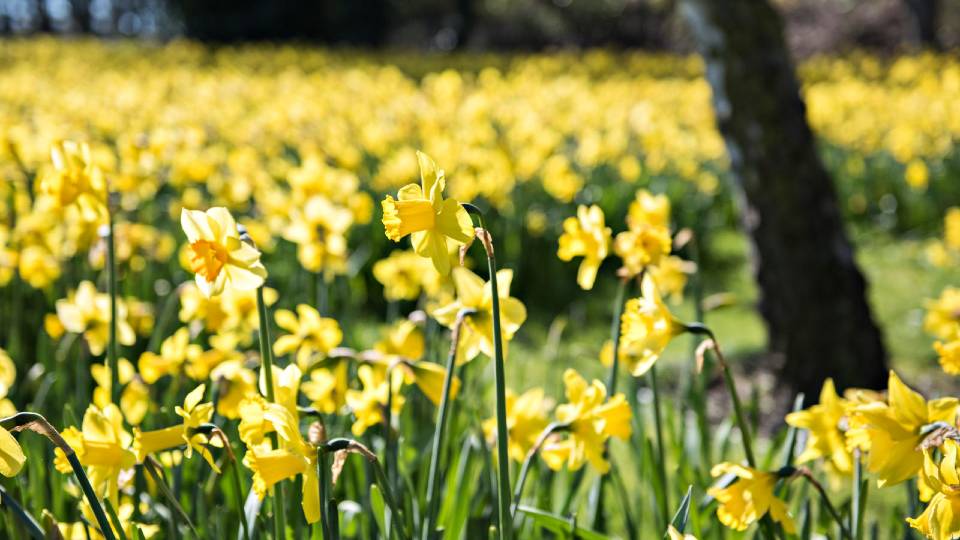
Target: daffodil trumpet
column 38, row 424
column 351, row 446
column 438, row 434
column 504, row 521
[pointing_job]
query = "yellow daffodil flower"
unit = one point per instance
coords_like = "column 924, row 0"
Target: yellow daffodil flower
column 368, row 404
column 8, row 375
column 476, row 334
column 86, row 311
column 327, row 387
column 217, row 255
column 174, row 352
column 75, row 181
column 670, row 275
column 646, row 328
column 648, row 210
column 135, row 397
column 526, row 420
column 422, row 212
column 892, row 430
column 943, row 314
column 194, row 414
column 948, row 354
column 402, row 275
column 748, row 498
column 587, row 236
column 12, row 457
column 402, row 339
column 236, row 384
column 941, row 519
column 310, row 334
column 592, row 420
column 823, row 423
column 223, row 348
column 295, row 456
column 103, row 447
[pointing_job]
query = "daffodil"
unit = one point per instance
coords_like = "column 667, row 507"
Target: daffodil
column 103, row 447
column 86, row 311
column 587, row 236
column 941, row 519
column 12, row 457
column 824, row 422
column 951, row 229
column 223, row 348
column 135, row 397
column 646, row 328
column 236, row 383
column 309, row 334
column 748, row 498
column 402, row 274
column 670, row 275
column 327, row 387
column 368, row 404
column 526, row 420
column 476, row 333
column 8, row 375
column 422, row 212
column 893, row 430
column 648, row 210
column 402, row 339
column 174, row 352
column 591, row 419
column 75, row 180
column 948, row 355
column 647, row 238
column 194, row 414
column 293, row 457
column 943, row 314
column 218, row 256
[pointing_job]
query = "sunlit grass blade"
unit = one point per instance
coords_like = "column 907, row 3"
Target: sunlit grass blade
column 114, row 519
column 680, row 517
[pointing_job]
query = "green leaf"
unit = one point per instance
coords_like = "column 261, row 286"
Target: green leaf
column 378, row 508
column 559, row 525
column 679, row 520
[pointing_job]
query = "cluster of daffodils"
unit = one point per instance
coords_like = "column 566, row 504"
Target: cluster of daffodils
column 138, row 224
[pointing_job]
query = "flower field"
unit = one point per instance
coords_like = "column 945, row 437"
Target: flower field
column 282, row 292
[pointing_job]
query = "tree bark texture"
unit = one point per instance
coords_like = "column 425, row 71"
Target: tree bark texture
column 812, row 293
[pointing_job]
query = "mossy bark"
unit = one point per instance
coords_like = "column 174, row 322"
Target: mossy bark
column 812, row 293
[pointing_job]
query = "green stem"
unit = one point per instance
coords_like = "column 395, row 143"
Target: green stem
column 826, row 502
column 856, row 512
column 528, row 461
column 38, row 424
column 697, row 328
column 661, row 450
column 504, row 523
column 596, row 491
column 115, row 519
column 433, row 499
column 238, row 488
column 112, row 355
column 324, row 487
column 266, row 357
column 26, row 520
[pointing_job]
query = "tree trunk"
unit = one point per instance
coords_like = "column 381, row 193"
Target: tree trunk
column 812, row 294
column 925, row 15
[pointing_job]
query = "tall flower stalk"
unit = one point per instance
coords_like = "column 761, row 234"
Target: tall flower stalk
column 438, row 434
column 266, row 356
column 113, row 356
column 504, row 523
